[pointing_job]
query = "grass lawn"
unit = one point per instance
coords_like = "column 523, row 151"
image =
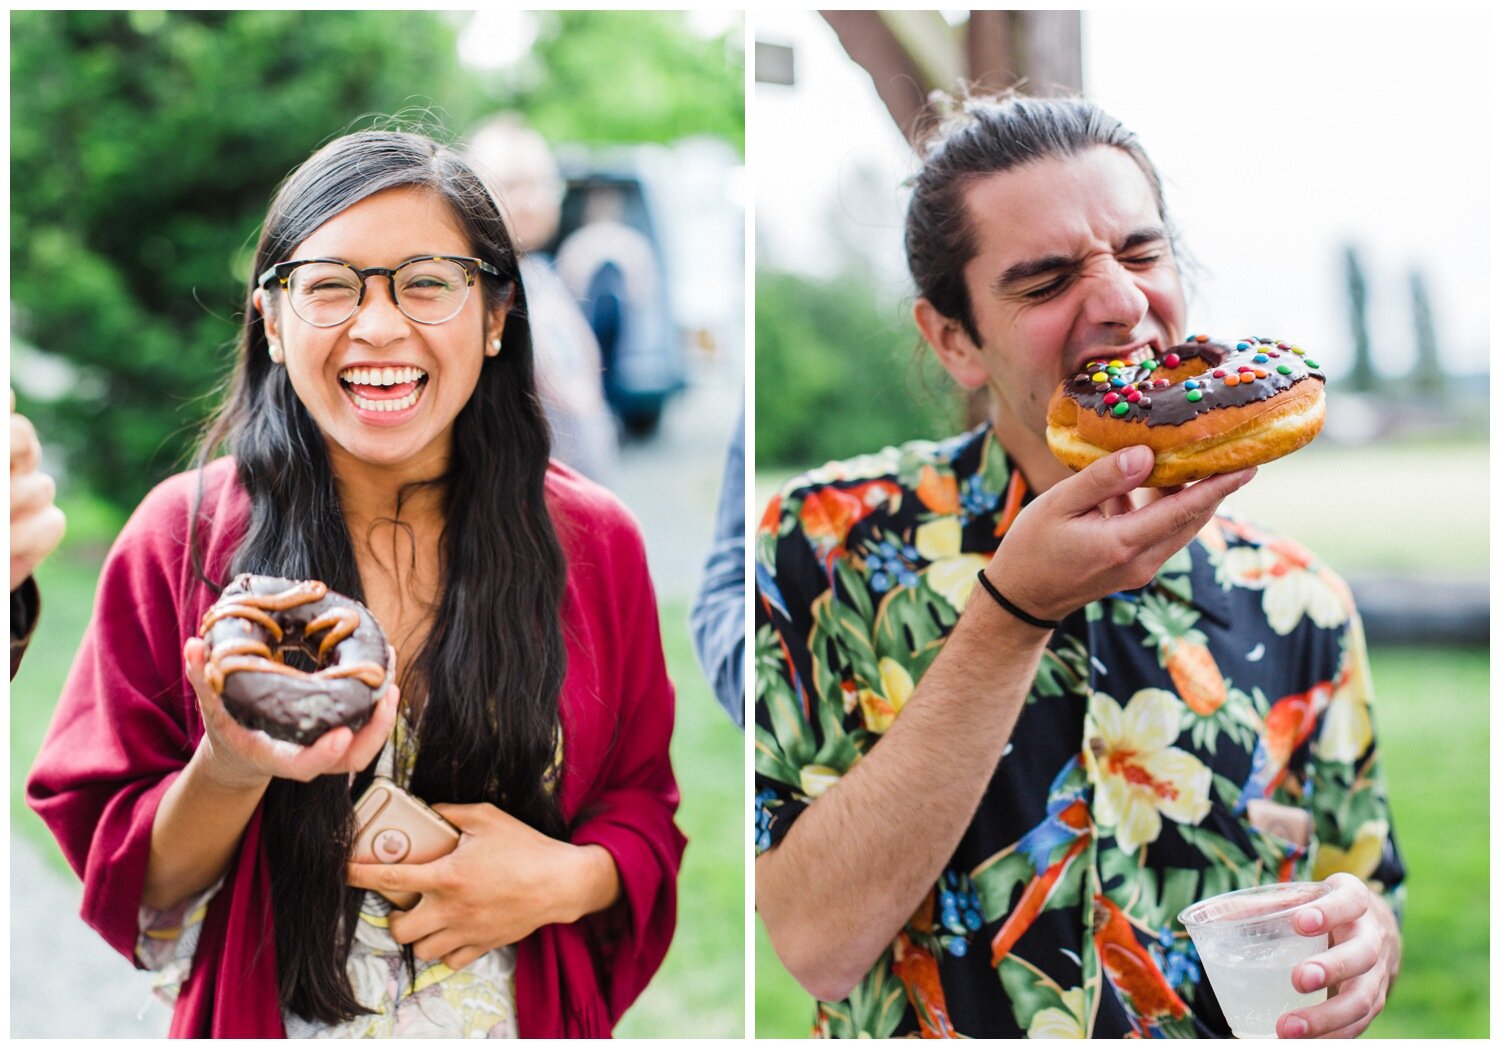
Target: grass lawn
column 1432, row 714
column 699, row 991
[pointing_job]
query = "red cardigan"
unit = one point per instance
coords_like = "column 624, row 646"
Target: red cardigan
column 127, row 723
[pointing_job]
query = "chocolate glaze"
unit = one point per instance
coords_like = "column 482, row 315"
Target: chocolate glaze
column 260, row 620
column 1169, row 406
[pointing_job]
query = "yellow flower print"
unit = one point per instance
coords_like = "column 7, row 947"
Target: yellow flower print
column 1291, row 587
column 951, row 573
column 1065, row 1022
column 881, row 709
column 954, row 578
column 1360, row 859
column 939, row 539
column 816, row 779
column 1347, row 731
column 1138, row 776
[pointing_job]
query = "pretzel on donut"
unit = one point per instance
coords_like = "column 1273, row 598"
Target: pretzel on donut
column 258, row 621
column 1204, row 408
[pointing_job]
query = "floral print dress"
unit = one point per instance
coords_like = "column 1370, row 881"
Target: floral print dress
column 478, row 1001
column 1208, row 732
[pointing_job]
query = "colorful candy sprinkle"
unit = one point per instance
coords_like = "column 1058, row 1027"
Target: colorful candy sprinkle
column 1219, row 373
column 1284, row 369
column 1122, row 408
column 1144, row 402
column 1260, row 358
column 1242, row 345
column 1191, row 384
column 1133, row 396
column 1100, row 377
column 1201, row 338
column 1171, row 360
column 1231, row 380
column 1117, row 381
column 1311, row 363
column 1260, row 373
column 1111, row 398
column 1195, row 395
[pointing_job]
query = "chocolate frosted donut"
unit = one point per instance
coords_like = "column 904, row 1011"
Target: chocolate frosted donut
column 1204, row 407
column 258, row 621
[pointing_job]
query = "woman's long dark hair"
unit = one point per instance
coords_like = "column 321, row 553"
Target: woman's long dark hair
column 490, row 671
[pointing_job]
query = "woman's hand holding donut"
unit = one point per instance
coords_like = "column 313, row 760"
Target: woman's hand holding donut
column 1079, row 541
column 504, row 881
column 239, row 758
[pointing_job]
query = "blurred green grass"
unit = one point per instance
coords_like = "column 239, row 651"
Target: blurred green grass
column 1432, row 717
column 700, row 990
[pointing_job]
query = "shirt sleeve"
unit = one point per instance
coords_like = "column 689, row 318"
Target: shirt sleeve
column 1350, row 804
column 630, row 813
column 121, row 732
column 789, row 709
column 718, row 615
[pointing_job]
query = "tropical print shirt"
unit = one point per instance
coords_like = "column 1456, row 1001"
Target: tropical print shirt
column 1208, row 732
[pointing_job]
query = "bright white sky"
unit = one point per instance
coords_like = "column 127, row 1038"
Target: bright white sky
column 1280, row 136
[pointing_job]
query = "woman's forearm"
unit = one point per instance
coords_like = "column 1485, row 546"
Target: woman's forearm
column 197, row 828
column 594, row 886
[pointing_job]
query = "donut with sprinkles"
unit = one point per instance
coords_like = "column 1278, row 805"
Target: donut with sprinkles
column 1203, row 407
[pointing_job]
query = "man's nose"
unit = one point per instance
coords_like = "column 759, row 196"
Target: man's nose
column 1113, row 295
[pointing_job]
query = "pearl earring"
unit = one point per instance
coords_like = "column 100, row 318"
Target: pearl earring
column 274, row 349
column 496, row 344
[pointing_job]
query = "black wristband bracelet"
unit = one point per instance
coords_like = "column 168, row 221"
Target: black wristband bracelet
column 1010, row 606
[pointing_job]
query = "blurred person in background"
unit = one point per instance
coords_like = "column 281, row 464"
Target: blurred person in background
column 570, row 374
column 991, row 806
column 718, row 615
column 387, row 440
column 612, row 270
column 36, row 527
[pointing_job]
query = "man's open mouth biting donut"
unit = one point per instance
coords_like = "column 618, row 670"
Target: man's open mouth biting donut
column 1203, row 407
column 383, row 388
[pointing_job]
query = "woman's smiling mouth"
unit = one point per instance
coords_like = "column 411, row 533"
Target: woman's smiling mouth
column 383, row 390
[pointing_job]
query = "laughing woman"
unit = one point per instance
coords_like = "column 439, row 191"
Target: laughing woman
column 381, row 433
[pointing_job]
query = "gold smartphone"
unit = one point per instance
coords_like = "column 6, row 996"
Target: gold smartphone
column 397, row 827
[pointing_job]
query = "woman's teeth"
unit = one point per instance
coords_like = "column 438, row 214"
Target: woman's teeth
column 380, row 376
column 396, row 405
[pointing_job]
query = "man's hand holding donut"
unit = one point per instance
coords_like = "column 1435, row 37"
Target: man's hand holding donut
column 1080, row 541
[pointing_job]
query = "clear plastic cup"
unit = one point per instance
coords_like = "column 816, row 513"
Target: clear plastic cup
column 1248, row 947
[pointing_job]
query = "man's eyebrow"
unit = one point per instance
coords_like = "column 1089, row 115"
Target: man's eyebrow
column 1149, row 235
column 1029, row 268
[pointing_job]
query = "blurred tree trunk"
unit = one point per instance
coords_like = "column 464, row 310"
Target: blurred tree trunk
column 1362, row 376
column 910, row 55
column 1427, row 373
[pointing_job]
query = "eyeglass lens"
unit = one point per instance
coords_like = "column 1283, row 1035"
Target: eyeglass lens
column 428, row 291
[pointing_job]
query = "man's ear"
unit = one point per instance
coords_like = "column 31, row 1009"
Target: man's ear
column 957, row 352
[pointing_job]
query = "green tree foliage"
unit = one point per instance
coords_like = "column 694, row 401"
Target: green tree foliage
column 146, row 146
column 144, row 149
column 631, row 76
column 837, row 373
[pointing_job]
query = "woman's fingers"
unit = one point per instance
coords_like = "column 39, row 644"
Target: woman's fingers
column 370, row 740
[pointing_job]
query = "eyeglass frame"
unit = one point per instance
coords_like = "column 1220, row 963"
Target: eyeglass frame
column 282, row 271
